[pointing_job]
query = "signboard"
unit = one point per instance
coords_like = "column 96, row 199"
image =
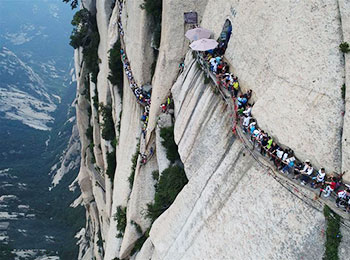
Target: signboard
column 191, row 17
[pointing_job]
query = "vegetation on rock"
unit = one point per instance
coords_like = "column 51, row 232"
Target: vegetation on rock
column 85, row 34
column 343, row 91
column 333, row 235
column 167, row 134
column 141, row 240
column 80, row 33
column 155, row 175
column 120, row 217
column 137, row 227
column 116, row 68
column 344, row 47
column 95, row 99
column 154, row 9
column 171, row 182
column 111, row 164
column 133, row 166
column 107, row 124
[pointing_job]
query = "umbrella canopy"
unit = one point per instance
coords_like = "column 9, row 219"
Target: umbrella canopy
column 198, row 33
column 204, row 45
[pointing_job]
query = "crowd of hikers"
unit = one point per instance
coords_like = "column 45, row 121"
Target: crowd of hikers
column 143, row 97
column 281, row 157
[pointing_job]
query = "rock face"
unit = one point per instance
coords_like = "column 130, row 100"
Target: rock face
column 232, row 207
column 296, row 84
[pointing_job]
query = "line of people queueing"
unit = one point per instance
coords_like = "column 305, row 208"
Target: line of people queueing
column 143, row 97
column 283, row 158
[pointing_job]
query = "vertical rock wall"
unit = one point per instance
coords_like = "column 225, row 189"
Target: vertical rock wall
column 287, row 52
column 230, row 202
column 344, row 8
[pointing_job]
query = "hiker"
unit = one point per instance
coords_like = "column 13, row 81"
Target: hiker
column 269, row 142
column 290, row 163
column 319, row 179
column 306, row 173
column 220, row 68
column 143, row 131
column 264, row 143
column 151, row 151
column 213, row 63
column 144, row 117
column 225, row 68
column 169, row 100
column 248, row 95
column 343, row 195
column 330, row 187
column 235, row 88
column 339, row 181
column 246, row 121
column 163, row 107
column 181, row 67
column 272, row 151
column 248, row 110
column 241, row 101
column 143, row 158
column 252, row 126
column 279, row 154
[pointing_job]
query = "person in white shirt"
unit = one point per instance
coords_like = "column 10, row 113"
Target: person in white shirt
column 246, row 121
column 319, row 179
column 248, row 110
column 289, row 164
column 343, row 195
column 306, row 172
column 213, row 64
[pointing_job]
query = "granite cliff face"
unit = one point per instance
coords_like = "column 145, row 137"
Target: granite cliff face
column 232, row 207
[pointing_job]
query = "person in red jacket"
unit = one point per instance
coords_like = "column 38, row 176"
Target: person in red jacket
column 330, row 187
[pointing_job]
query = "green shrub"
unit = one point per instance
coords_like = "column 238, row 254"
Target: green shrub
column 95, row 99
column 120, row 217
column 155, row 175
column 167, row 133
column 90, row 133
column 114, row 142
column 85, row 34
column 111, row 165
column 137, row 227
column 156, row 35
column 344, row 47
column 90, row 54
column 86, row 91
column 119, row 122
column 154, row 63
column 333, row 235
column 107, row 126
column 154, row 8
column 139, row 243
column 116, row 68
column 80, row 33
column 343, row 91
column 133, row 166
column 91, row 148
column 171, row 182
